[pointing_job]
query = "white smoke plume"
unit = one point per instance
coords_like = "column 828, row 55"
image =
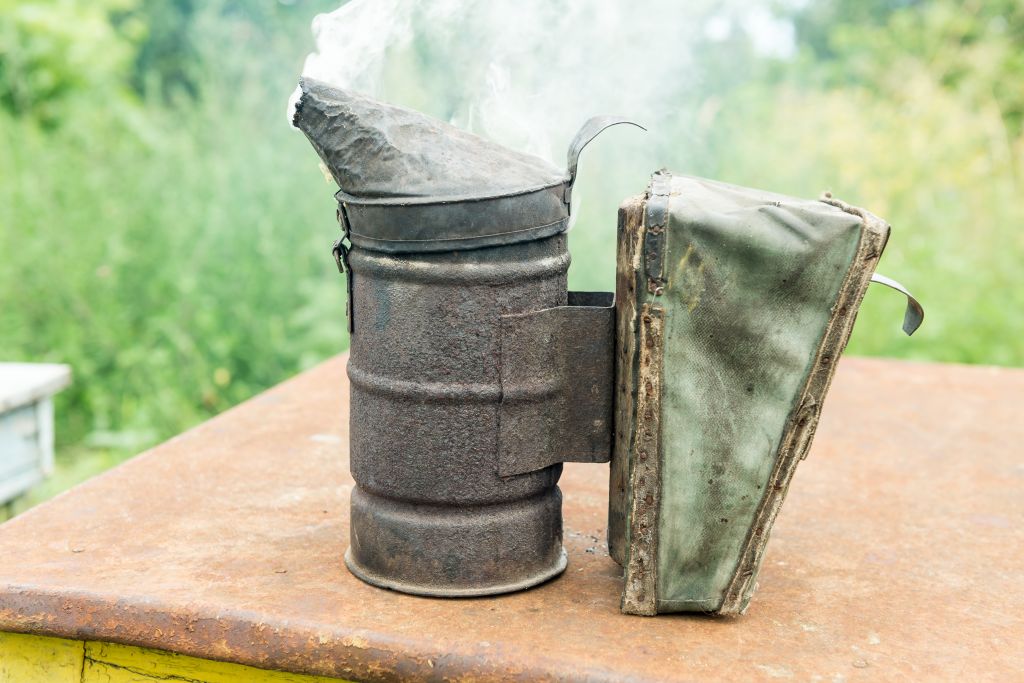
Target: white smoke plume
column 527, row 73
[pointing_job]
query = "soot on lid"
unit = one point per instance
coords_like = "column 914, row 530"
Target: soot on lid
column 376, row 150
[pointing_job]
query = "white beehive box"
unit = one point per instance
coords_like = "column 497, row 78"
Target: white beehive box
column 26, row 424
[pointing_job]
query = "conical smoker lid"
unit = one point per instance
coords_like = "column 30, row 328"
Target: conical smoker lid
column 376, row 150
column 412, row 183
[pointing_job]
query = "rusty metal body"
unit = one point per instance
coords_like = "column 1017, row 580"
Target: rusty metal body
column 430, row 512
column 464, row 347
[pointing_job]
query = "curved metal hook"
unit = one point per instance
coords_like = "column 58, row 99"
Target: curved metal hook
column 588, row 132
column 914, row 315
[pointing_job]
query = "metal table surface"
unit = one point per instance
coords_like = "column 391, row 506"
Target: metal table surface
column 898, row 554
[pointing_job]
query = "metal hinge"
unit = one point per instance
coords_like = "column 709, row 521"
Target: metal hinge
column 340, row 250
column 655, row 231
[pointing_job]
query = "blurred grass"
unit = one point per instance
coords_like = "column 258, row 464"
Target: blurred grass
column 171, row 243
column 176, row 255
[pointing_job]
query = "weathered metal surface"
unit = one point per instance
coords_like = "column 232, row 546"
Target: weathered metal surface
column 899, row 554
column 557, row 368
column 656, row 224
column 431, row 514
column 628, row 259
column 378, row 150
column 412, row 183
column 640, row 575
column 449, row 232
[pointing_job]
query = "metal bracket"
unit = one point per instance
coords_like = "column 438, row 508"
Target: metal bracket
column 914, row 315
column 340, row 252
column 655, row 230
column 557, row 380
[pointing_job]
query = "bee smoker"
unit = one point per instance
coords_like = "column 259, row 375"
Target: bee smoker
column 464, row 345
column 475, row 373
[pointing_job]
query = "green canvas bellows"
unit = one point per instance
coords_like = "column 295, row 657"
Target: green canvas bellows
column 733, row 306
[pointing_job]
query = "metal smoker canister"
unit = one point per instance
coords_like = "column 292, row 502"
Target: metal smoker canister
column 448, row 240
column 430, row 513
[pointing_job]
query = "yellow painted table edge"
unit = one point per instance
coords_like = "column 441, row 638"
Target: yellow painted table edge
column 28, row 658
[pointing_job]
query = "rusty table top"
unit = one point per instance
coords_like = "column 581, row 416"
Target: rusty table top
column 898, row 554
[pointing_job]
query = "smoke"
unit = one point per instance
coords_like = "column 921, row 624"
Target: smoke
column 523, row 73
column 528, row 73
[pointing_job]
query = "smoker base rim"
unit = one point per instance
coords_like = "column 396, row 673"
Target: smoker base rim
column 375, row 579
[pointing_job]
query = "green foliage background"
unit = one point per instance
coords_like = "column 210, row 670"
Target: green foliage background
column 166, row 234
